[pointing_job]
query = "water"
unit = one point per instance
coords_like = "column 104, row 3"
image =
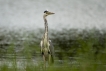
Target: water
column 27, row 15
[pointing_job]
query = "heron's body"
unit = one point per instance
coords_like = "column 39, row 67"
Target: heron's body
column 46, row 45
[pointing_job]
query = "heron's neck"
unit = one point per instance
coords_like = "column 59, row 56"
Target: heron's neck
column 46, row 24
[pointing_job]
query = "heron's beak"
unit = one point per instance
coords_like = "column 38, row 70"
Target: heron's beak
column 50, row 13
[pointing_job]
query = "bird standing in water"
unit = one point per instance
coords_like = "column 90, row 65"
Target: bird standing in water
column 47, row 48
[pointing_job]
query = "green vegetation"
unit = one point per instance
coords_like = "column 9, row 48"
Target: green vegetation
column 75, row 50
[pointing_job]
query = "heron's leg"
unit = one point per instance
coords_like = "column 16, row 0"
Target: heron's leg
column 49, row 59
column 44, row 62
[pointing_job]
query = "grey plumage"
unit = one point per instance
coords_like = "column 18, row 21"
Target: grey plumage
column 46, row 45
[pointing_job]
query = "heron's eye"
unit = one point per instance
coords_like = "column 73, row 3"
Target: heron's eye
column 45, row 11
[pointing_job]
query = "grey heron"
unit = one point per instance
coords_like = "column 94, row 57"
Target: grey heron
column 47, row 48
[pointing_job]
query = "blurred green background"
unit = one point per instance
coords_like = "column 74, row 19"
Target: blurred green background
column 75, row 50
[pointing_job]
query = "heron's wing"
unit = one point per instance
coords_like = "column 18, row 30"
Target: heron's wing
column 51, row 47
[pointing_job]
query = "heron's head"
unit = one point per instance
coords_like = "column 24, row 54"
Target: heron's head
column 46, row 13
